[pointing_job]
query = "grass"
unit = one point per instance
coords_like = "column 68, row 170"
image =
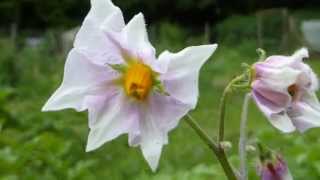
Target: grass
column 36, row 145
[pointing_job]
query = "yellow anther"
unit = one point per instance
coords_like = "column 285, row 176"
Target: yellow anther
column 138, row 81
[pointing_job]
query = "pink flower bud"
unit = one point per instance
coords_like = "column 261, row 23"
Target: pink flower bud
column 275, row 169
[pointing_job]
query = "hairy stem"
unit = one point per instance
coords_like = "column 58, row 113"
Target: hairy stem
column 243, row 138
column 220, row 154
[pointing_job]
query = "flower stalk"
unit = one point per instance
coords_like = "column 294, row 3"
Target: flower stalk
column 220, row 154
column 243, row 138
column 223, row 102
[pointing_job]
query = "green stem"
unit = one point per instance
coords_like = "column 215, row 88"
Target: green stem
column 223, row 103
column 220, row 154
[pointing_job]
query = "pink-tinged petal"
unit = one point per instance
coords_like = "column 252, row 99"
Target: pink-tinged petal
column 282, row 122
column 136, row 38
column 305, row 114
column 310, row 98
column 134, row 135
column 308, row 79
column 110, row 117
column 100, row 49
column 114, row 22
column 286, row 61
column 277, row 79
column 166, row 111
column 91, row 40
column 273, row 104
column 90, row 34
column 182, row 76
column 101, row 9
column 268, row 99
column 162, row 114
column 152, row 141
column 162, row 63
column 81, row 78
column 276, row 115
column 97, row 104
column 300, row 54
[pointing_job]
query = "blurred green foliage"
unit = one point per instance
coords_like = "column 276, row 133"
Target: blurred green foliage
column 49, row 146
column 5, row 115
column 39, row 14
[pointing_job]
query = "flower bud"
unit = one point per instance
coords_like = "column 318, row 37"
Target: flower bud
column 273, row 167
column 250, row 149
column 275, row 170
column 226, row 145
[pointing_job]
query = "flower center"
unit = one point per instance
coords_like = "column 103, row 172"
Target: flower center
column 138, row 81
column 292, row 90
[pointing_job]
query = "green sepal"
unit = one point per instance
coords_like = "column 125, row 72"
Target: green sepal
column 119, row 67
column 265, row 154
column 158, row 86
column 262, row 54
